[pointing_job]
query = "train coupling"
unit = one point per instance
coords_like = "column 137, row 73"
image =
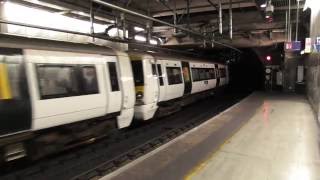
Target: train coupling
column 14, row 151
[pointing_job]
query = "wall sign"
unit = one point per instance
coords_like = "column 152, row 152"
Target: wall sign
column 293, row 46
column 317, row 44
column 288, row 45
column 296, row 45
column 308, row 46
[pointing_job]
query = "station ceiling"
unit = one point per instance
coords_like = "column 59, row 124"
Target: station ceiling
column 250, row 27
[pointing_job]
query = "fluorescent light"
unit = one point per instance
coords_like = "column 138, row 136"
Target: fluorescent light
column 144, row 39
column 154, row 42
column 41, row 18
column 140, row 38
column 263, row 5
column 136, row 28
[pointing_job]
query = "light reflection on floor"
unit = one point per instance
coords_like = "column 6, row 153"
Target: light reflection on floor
column 280, row 142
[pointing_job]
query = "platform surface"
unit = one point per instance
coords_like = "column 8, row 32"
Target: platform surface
column 280, row 142
column 264, row 137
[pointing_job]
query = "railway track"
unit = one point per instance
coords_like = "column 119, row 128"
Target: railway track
column 108, row 154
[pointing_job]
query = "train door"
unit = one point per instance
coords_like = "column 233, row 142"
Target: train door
column 15, row 105
column 154, row 82
column 217, row 75
column 114, row 93
column 187, row 78
column 161, row 76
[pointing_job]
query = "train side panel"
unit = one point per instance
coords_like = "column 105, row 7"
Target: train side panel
column 174, row 83
column 55, row 97
column 203, row 77
column 111, row 78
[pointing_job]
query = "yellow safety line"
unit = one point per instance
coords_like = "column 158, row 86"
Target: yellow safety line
column 204, row 163
column 5, row 89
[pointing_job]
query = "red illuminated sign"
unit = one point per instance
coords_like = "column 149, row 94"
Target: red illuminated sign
column 268, row 58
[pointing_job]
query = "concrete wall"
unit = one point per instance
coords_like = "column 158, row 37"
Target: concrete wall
column 312, row 63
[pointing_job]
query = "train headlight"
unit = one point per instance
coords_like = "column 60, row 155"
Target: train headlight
column 139, row 95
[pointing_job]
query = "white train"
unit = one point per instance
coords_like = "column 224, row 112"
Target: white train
column 55, row 94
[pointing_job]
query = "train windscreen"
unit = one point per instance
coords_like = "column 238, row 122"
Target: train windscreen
column 137, row 73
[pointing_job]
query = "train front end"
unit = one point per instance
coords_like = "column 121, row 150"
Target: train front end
column 15, row 105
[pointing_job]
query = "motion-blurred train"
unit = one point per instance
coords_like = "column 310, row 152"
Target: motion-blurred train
column 54, row 94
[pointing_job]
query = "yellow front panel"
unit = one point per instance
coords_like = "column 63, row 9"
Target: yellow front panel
column 139, row 89
column 5, row 89
column 135, row 57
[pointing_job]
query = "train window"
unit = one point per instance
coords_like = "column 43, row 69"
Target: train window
column 174, row 75
column 154, row 70
column 113, row 76
column 186, row 74
column 202, row 74
column 207, row 73
column 217, row 73
column 160, row 74
column 137, row 73
column 195, row 74
column 212, row 73
column 14, row 72
column 56, row 81
column 89, row 80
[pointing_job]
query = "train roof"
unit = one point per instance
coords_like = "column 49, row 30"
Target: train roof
column 20, row 42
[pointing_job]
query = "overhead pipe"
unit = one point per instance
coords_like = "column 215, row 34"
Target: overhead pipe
column 204, row 40
column 286, row 32
column 90, row 35
column 220, row 17
column 289, row 21
column 173, row 12
column 230, row 19
column 188, row 13
column 175, row 16
column 92, row 20
column 148, row 27
column 123, row 24
column 219, row 9
column 297, row 20
column 127, row 11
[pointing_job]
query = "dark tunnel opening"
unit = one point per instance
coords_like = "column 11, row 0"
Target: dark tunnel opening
column 247, row 72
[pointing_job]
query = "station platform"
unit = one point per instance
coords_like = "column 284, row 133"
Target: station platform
column 266, row 136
